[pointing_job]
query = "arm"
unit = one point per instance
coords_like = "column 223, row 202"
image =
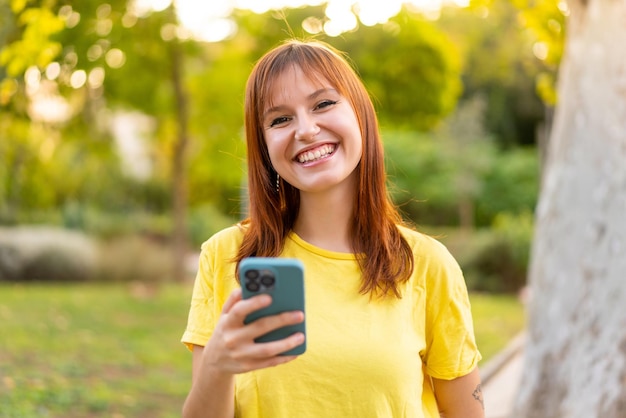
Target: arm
column 232, row 350
column 461, row 397
column 210, row 391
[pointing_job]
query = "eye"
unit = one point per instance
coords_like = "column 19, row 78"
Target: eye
column 325, row 103
column 278, row 121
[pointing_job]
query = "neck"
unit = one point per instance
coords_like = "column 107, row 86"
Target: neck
column 324, row 219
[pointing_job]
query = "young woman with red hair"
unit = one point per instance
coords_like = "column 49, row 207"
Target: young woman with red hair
column 389, row 327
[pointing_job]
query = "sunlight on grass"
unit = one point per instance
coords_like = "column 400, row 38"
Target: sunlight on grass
column 104, row 350
column 92, row 350
column 497, row 319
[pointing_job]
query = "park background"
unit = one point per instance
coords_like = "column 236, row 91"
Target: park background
column 121, row 151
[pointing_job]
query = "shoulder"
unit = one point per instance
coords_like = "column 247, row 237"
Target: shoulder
column 227, row 238
column 435, row 268
column 424, row 246
column 217, row 255
column 223, row 246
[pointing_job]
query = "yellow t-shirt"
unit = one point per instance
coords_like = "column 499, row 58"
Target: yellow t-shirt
column 365, row 357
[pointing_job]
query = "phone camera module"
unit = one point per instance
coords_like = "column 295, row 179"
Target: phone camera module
column 252, row 274
column 253, row 286
column 259, row 280
column 252, row 280
column 267, row 280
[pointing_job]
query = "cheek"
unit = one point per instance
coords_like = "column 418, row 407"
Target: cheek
column 354, row 128
column 275, row 149
column 356, row 136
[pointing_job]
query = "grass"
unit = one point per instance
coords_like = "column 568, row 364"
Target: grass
column 92, row 351
column 497, row 319
column 114, row 351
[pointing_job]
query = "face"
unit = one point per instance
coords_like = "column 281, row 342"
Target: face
column 312, row 133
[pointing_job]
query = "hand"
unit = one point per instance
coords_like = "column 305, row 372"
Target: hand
column 231, row 349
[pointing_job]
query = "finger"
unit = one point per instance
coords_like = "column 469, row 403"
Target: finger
column 270, row 323
column 268, row 350
column 245, row 307
column 233, row 298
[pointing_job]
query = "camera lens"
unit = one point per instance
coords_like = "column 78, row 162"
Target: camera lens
column 252, row 274
column 267, row 280
column 253, row 286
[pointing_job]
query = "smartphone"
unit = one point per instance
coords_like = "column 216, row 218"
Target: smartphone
column 283, row 280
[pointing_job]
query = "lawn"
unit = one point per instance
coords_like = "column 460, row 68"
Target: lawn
column 497, row 319
column 92, row 351
column 114, row 351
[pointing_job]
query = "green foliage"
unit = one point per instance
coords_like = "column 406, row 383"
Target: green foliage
column 543, row 25
column 206, row 220
column 217, row 156
column 517, row 230
column 469, row 149
column 40, row 171
column 493, row 260
column 414, row 75
column 34, row 45
column 108, row 225
column 490, row 266
column 419, row 177
column 499, row 65
column 510, row 185
column 51, row 165
column 435, row 177
column 547, row 21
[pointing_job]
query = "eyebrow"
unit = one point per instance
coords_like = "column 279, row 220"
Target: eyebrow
column 311, row 96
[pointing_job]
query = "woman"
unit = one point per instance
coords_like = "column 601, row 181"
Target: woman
column 389, row 329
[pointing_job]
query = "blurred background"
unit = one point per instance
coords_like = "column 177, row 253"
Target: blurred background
column 121, row 151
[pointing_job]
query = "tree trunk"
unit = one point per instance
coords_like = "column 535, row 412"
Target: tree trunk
column 466, row 213
column 179, row 166
column 576, row 353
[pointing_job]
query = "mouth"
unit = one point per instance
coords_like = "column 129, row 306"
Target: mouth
column 316, row 154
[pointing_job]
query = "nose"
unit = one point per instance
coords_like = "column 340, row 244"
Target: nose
column 306, row 127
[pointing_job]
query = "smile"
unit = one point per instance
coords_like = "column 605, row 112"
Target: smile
column 316, row 154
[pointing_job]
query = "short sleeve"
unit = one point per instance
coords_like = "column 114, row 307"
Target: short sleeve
column 451, row 349
column 201, row 320
column 214, row 282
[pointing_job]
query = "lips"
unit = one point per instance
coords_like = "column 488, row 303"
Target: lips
column 315, row 154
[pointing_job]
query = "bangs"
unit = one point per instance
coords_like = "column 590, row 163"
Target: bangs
column 319, row 65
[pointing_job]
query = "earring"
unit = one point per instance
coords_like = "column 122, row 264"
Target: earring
column 277, row 182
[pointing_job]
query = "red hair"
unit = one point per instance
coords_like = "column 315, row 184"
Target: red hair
column 383, row 254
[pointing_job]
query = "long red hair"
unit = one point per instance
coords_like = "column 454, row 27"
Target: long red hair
column 385, row 258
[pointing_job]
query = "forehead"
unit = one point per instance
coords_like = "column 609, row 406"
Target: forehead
column 291, row 81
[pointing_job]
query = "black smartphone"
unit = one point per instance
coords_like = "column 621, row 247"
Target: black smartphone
column 283, row 280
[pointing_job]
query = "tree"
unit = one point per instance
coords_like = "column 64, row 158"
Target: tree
column 576, row 349
column 499, row 65
column 106, row 45
column 413, row 93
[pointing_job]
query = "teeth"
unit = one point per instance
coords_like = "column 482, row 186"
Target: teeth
column 320, row 152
